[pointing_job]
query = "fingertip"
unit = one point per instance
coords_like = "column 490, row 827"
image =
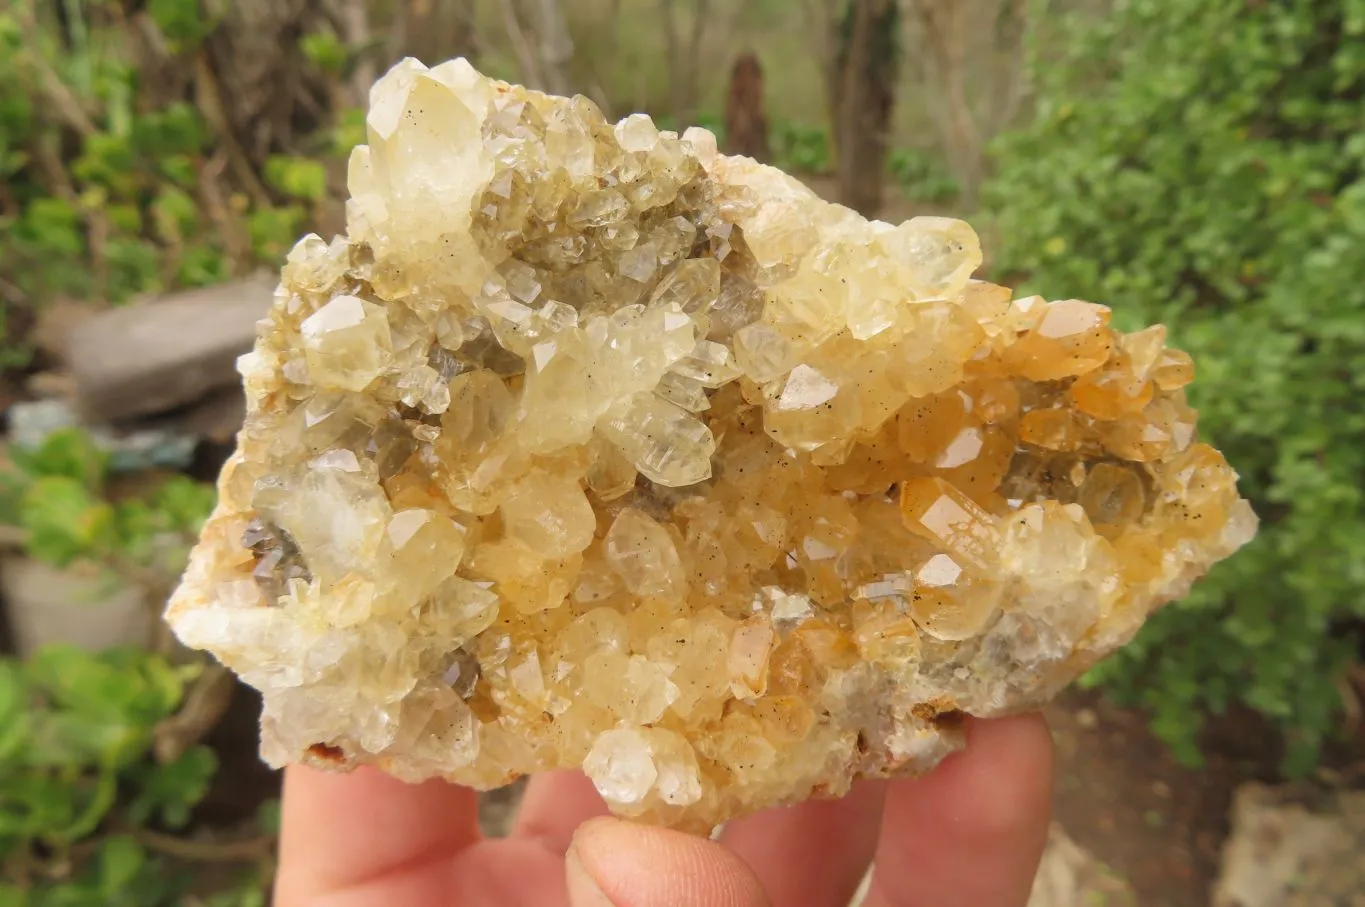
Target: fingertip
column 555, row 804
column 614, row 863
column 988, row 805
column 815, row 852
column 340, row 830
column 1008, row 766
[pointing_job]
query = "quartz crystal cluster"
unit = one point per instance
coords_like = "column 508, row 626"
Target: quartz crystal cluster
column 587, row 446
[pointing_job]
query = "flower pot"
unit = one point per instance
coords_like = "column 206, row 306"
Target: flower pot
column 76, row 606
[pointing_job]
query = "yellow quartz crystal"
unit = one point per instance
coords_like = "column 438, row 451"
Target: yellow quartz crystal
column 589, row 447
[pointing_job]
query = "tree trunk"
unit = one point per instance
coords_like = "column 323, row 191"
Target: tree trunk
column 868, row 65
column 746, row 124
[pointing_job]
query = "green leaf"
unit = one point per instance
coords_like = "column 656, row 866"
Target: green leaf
column 325, row 51
column 184, row 22
column 117, row 688
column 106, row 159
column 296, row 177
column 121, row 861
column 51, row 226
column 186, row 504
column 175, row 131
column 274, row 231
column 170, row 791
column 14, row 716
column 67, row 452
column 174, row 213
column 349, row 131
column 37, row 806
column 135, row 268
column 64, row 521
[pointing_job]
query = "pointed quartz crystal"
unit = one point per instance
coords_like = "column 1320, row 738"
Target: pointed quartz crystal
column 346, row 343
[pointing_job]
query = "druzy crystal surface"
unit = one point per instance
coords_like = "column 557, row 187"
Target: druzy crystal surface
column 589, row 447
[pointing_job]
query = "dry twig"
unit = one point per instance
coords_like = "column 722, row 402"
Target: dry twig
column 208, row 698
column 240, row 851
column 210, row 103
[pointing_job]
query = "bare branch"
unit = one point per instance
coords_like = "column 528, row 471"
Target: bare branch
column 944, row 32
column 65, row 104
column 556, row 45
column 205, row 702
column 541, row 41
column 353, row 23
column 521, row 45
column 240, row 851
column 397, row 41
column 672, row 53
column 209, row 98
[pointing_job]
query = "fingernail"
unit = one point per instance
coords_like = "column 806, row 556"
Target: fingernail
column 584, row 891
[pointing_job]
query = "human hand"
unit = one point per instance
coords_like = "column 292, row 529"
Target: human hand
column 969, row 833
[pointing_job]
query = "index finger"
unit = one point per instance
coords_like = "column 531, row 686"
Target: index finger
column 972, row 831
column 339, row 831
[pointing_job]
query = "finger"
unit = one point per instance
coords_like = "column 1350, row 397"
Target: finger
column 972, row 831
column 613, row 863
column 555, row 804
column 340, row 831
column 815, row 853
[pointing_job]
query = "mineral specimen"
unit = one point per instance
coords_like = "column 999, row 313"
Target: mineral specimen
column 589, row 447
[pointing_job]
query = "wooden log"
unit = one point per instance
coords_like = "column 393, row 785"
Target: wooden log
column 154, row 357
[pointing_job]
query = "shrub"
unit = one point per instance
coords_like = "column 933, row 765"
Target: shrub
column 1199, row 162
column 922, row 176
column 56, row 496
column 118, row 188
column 87, row 815
column 800, row 148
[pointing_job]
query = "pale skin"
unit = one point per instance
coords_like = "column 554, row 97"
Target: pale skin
column 969, row 833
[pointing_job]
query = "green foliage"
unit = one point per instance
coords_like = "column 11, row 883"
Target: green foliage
column 297, row 177
column 922, row 176
column 56, row 494
column 1200, row 162
column 112, row 204
column 80, row 792
column 348, row 132
column 64, row 520
column 326, row 51
column 169, row 792
column 800, row 148
column 184, row 22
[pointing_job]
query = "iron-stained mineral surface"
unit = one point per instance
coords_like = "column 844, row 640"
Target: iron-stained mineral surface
column 589, row 447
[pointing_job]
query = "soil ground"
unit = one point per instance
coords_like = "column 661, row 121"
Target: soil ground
column 1160, row 825
column 1120, row 794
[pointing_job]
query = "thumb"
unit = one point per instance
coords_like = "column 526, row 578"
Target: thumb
column 613, row 863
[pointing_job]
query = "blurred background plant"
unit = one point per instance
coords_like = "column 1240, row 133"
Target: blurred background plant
column 89, row 814
column 56, row 496
column 1197, row 162
column 144, row 148
column 1218, row 186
